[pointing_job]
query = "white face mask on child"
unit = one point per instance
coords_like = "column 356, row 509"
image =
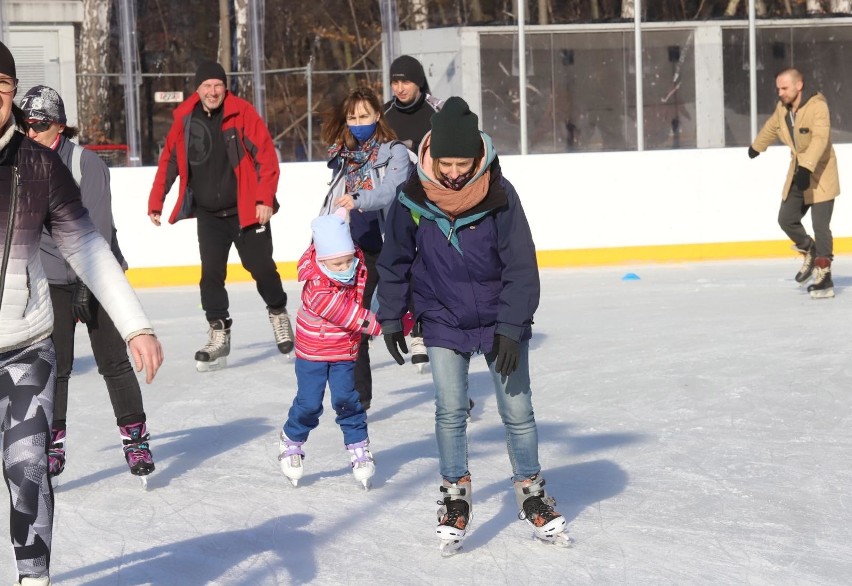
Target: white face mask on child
column 346, row 277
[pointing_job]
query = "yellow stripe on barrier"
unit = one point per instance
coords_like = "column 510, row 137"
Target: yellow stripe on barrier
column 587, row 257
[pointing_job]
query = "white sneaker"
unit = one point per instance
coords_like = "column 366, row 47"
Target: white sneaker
column 290, row 457
column 363, row 465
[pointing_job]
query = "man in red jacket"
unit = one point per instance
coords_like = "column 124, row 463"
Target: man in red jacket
column 222, row 151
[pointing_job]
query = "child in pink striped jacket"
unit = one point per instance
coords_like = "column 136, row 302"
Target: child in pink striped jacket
column 328, row 332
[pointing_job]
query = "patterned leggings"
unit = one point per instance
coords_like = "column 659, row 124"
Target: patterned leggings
column 27, row 383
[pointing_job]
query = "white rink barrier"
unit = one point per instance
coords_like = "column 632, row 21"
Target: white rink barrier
column 576, row 204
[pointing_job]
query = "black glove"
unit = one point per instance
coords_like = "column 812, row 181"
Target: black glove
column 396, row 342
column 508, row 355
column 802, row 178
column 81, row 302
column 752, row 153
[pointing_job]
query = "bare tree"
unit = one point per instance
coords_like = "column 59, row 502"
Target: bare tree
column 596, row 9
column 628, row 9
column 419, row 13
column 841, row 6
column 814, row 7
column 241, row 47
column 93, row 87
column 225, row 34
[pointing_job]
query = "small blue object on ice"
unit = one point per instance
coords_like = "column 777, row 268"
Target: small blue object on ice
column 630, row 277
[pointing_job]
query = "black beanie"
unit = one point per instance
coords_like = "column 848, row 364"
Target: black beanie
column 209, row 70
column 455, row 131
column 407, row 68
column 7, row 62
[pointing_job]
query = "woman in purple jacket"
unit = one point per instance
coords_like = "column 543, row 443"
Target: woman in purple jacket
column 458, row 242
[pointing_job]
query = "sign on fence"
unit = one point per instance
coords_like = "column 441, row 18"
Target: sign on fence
column 168, row 97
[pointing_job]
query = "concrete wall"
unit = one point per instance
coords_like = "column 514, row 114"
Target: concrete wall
column 584, row 209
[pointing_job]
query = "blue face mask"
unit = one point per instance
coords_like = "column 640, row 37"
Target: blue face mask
column 346, row 277
column 363, row 132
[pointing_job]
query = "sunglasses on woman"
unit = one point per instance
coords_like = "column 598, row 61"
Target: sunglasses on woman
column 39, row 125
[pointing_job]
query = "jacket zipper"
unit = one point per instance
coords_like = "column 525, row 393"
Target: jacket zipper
column 10, row 226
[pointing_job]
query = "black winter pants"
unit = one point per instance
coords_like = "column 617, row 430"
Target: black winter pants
column 216, row 234
column 110, row 352
column 793, row 209
column 363, row 374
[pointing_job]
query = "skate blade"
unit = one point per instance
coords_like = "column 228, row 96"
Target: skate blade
column 212, row 365
column 421, row 367
column 143, row 480
column 450, row 547
column 557, row 540
column 825, row 294
column 294, row 482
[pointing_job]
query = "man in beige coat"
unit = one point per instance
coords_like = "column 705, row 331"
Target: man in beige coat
column 801, row 121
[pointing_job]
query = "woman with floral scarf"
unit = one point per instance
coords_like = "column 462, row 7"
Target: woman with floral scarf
column 369, row 165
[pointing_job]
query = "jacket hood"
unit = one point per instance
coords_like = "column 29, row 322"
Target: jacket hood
column 307, row 269
column 808, row 96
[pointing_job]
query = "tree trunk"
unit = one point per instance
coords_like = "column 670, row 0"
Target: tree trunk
column 225, row 35
column 543, row 11
column 814, row 7
column 841, row 6
column 628, row 9
column 419, row 14
column 93, row 89
column 476, row 14
column 595, row 9
column 241, row 48
column 731, row 9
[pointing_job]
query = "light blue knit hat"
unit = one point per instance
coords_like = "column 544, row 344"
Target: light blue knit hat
column 331, row 235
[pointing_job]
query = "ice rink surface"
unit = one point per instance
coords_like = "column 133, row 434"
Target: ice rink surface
column 694, row 426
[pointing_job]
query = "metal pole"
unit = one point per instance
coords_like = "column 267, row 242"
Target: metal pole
column 390, row 40
column 640, row 102
column 127, row 12
column 256, row 10
column 309, row 75
column 752, row 69
column 522, row 71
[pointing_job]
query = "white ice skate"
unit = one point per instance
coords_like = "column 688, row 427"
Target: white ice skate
column 363, row 465
column 213, row 356
column 537, row 509
column 290, row 457
column 419, row 357
column 454, row 515
column 45, row 581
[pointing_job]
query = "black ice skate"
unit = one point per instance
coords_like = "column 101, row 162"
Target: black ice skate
column 537, row 508
column 56, row 453
column 137, row 452
column 454, row 515
column 807, row 263
column 282, row 330
column 213, row 356
column 822, row 286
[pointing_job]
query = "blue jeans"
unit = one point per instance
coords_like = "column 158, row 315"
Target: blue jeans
column 514, row 403
column 311, row 378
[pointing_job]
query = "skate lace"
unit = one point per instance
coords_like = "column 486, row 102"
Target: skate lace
column 539, row 510
column 281, row 327
column 821, row 274
column 455, row 514
column 361, row 456
column 417, row 345
column 216, row 340
column 137, row 454
column 292, row 449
